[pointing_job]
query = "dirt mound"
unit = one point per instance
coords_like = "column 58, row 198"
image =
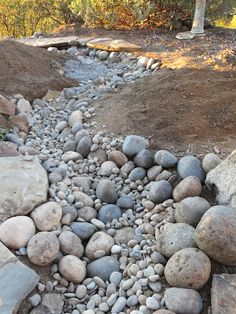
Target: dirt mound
column 175, row 108
column 29, row 71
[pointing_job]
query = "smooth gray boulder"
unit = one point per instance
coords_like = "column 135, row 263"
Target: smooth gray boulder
column 223, row 179
column 133, row 144
column 103, row 267
column 24, row 185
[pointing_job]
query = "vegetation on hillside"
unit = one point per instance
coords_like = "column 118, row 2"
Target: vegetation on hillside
column 24, row 17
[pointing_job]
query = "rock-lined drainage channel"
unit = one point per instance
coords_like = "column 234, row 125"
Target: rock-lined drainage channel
column 124, row 230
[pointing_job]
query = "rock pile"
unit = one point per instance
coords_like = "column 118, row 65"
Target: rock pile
column 122, row 223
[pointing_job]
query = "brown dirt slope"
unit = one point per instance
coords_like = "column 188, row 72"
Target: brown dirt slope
column 175, row 108
column 29, row 71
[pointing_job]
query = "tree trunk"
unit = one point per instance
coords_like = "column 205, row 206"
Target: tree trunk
column 199, row 15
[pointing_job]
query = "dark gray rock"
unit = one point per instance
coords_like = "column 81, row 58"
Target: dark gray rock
column 190, row 166
column 125, row 202
column 160, row 191
column 106, row 192
column 165, row 159
column 137, row 174
column 84, row 145
column 103, row 267
column 144, row 159
column 109, row 212
column 133, row 144
column 83, row 230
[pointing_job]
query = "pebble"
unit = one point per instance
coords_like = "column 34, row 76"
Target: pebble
column 72, row 268
column 133, row 144
column 165, row 159
column 119, row 305
column 152, row 303
column 190, row 166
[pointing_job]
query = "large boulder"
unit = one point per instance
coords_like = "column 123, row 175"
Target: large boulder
column 24, row 185
column 223, row 179
column 216, row 234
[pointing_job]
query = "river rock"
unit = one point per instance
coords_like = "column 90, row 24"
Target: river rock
column 43, row 248
column 118, row 157
column 106, row 192
column 190, row 166
column 20, row 199
column 84, row 183
column 127, row 168
column 75, row 117
column 84, row 145
column 109, row 212
column 83, row 230
column 124, row 235
column 153, row 172
column 99, row 241
column 188, row 268
column 103, row 267
column 72, row 268
column 15, row 232
column 210, row 161
column 133, row 144
column 85, row 199
column 47, row 216
column 165, row 159
column 176, row 237
column 189, row 186
column 160, row 191
column 125, row 202
column 107, row 168
column 144, row 159
column 191, row 209
column 223, row 179
column 184, row 301
column 216, row 234
column 87, row 213
column 137, row 174
column 71, row 244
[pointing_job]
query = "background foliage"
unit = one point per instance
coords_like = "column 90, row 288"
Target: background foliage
column 24, row 17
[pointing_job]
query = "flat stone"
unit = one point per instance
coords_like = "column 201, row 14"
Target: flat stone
column 55, row 42
column 223, row 294
column 17, row 281
column 110, row 44
column 24, row 185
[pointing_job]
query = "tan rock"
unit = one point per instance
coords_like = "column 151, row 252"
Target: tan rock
column 99, row 241
column 189, row 186
column 47, row 216
column 112, row 45
column 72, row 268
column 20, row 122
column 118, row 157
column 15, row 232
column 71, row 244
column 188, row 268
column 8, row 149
column 124, row 235
column 216, row 234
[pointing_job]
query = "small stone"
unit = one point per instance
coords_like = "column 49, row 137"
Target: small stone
column 71, row 244
column 107, row 168
column 189, row 186
column 119, row 305
column 99, row 241
column 188, row 268
column 124, row 235
column 133, row 144
column 118, row 157
column 103, row 267
column 15, row 232
column 125, row 202
column 47, row 216
column 75, row 117
column 144, row 159
column 160, row 191
column 152, row 303
column 72, row 268
column 43, row 248
column 35, row 299
column 103, row 55
column 109, row 212
column 153, row 172
column 87, row 213
column 53, row 302
column 115, row 278
column 183, row 301
column 190, row 166
column 191, row 209
column 210, row 161
column 176, row 237
column 137, row 173
column 106, row 192
column 83, row 230
column 84, row 145
column 165, row 159
column 70, row 155
column 81, row 291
